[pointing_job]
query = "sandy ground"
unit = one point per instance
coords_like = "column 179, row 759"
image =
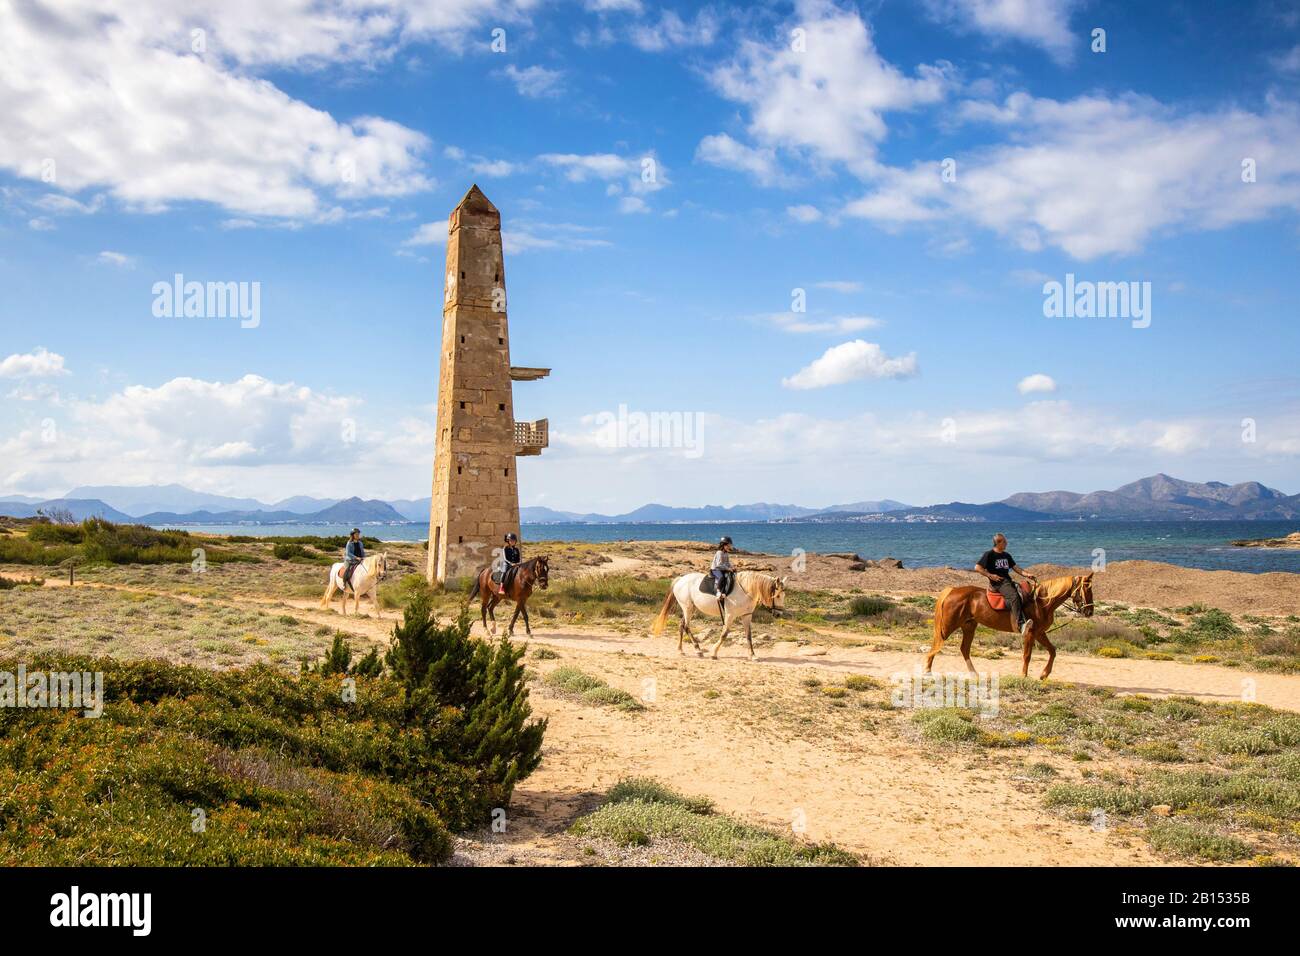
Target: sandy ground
column 891, row 799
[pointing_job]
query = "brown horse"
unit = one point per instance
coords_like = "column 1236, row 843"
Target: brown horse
column 968, row 607
column 535, row 572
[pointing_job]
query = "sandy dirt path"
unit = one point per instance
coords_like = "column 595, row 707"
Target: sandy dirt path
column 893, row 799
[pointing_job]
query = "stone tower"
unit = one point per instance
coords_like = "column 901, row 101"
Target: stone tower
column 475, row 490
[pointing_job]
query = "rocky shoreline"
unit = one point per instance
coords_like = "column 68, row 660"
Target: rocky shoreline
column 1290, row 541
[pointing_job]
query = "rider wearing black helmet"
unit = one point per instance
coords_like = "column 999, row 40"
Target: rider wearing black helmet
column 721, row 564
column 353, row 554
column 510, row 557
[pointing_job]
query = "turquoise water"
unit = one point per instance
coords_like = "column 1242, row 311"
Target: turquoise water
column 1192, row 544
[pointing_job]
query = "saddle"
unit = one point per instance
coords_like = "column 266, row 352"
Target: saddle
column 728, row 583
column 504, row 578
column 999, row 603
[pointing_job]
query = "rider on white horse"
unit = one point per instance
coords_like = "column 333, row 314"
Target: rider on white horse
column 719, row 568
column 353, row 554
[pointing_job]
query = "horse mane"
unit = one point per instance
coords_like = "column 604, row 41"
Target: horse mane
column 763, row 583
column 1053, row 588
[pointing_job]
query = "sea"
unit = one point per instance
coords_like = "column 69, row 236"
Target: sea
column 1191, row 544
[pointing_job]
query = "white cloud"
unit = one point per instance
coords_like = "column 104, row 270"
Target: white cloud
column 839, row 285
column 1045, row 23
column 1097, row 176
column 580, row 168
column 637, row 175
column 672, row 32
column 1179, row 439
column 759, row 162
column 117, row 96
column 429, row 234
column 1288, row 62
column 829, row 100
column 527, row 237
column 40, row 363
column 536, row 82
column 40, row 224
column 849, row 362
column 235, row 436
column 119, row 259
column 803, row 213
column 799, row 322
column 1038, row 382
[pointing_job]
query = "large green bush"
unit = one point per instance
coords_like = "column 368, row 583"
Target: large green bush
column 327, row 767
column 443, row 669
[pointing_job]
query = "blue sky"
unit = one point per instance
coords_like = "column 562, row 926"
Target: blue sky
column 316, row 149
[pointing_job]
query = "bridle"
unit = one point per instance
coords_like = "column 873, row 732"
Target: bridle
column 1077, row 594
column 1078, row 604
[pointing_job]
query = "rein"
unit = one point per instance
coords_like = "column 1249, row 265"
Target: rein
column 1076, row 606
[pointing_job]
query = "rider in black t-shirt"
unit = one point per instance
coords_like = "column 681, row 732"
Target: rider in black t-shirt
column 997, row 565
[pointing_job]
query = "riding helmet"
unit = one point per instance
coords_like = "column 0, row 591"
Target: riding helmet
column 725, row 540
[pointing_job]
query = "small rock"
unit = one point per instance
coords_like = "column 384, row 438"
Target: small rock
column 1162, row 809
column 858, row 566
column 811, row 652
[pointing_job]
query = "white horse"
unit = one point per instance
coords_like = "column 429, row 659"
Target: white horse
column 365, row 580
column 751, row 590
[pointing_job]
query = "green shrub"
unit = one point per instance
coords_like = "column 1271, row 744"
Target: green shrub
column 639, row 812
column 1189, row 840
column 287, row 550
column 1213, row 625
column 96, row 541
column 591, row 689
column 946, row 723
column 445, row 671
column 338, row 660
column 867, row 605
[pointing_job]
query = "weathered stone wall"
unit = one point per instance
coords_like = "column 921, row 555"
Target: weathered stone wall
column 475, row 491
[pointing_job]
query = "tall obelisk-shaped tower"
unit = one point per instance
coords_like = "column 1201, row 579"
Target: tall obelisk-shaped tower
column 475, row 490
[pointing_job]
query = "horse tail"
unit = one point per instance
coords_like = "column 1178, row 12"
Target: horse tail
column 662, row 619
column 473, row 592
column 939, row 622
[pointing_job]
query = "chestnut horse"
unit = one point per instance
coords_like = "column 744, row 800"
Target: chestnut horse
column 535, row 572
column 968, row 607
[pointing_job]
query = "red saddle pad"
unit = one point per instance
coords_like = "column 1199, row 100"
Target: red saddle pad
column 999, row 603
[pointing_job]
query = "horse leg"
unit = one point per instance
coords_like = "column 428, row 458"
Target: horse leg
column 510, row 631
column 528, row 628
column 1029, row 652
column 1051, row 655
column 686, row 623
column 940, row 635
column 483, row 604
column 967, row 637
column 722, row 636
column 749, row 634
column 492, row 615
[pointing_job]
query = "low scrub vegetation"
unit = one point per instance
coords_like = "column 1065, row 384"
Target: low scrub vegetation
column 258, row 767
column 642, row 812
column 96, row 541
column 1226, row 776
column 593, row 690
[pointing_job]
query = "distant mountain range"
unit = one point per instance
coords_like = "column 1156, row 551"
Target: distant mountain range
column 1159, row 496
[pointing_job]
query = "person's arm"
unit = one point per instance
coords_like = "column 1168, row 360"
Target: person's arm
column 1023, row 573
column 979, row 566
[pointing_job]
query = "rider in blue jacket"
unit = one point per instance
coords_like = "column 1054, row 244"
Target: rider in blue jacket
column 353, row 554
